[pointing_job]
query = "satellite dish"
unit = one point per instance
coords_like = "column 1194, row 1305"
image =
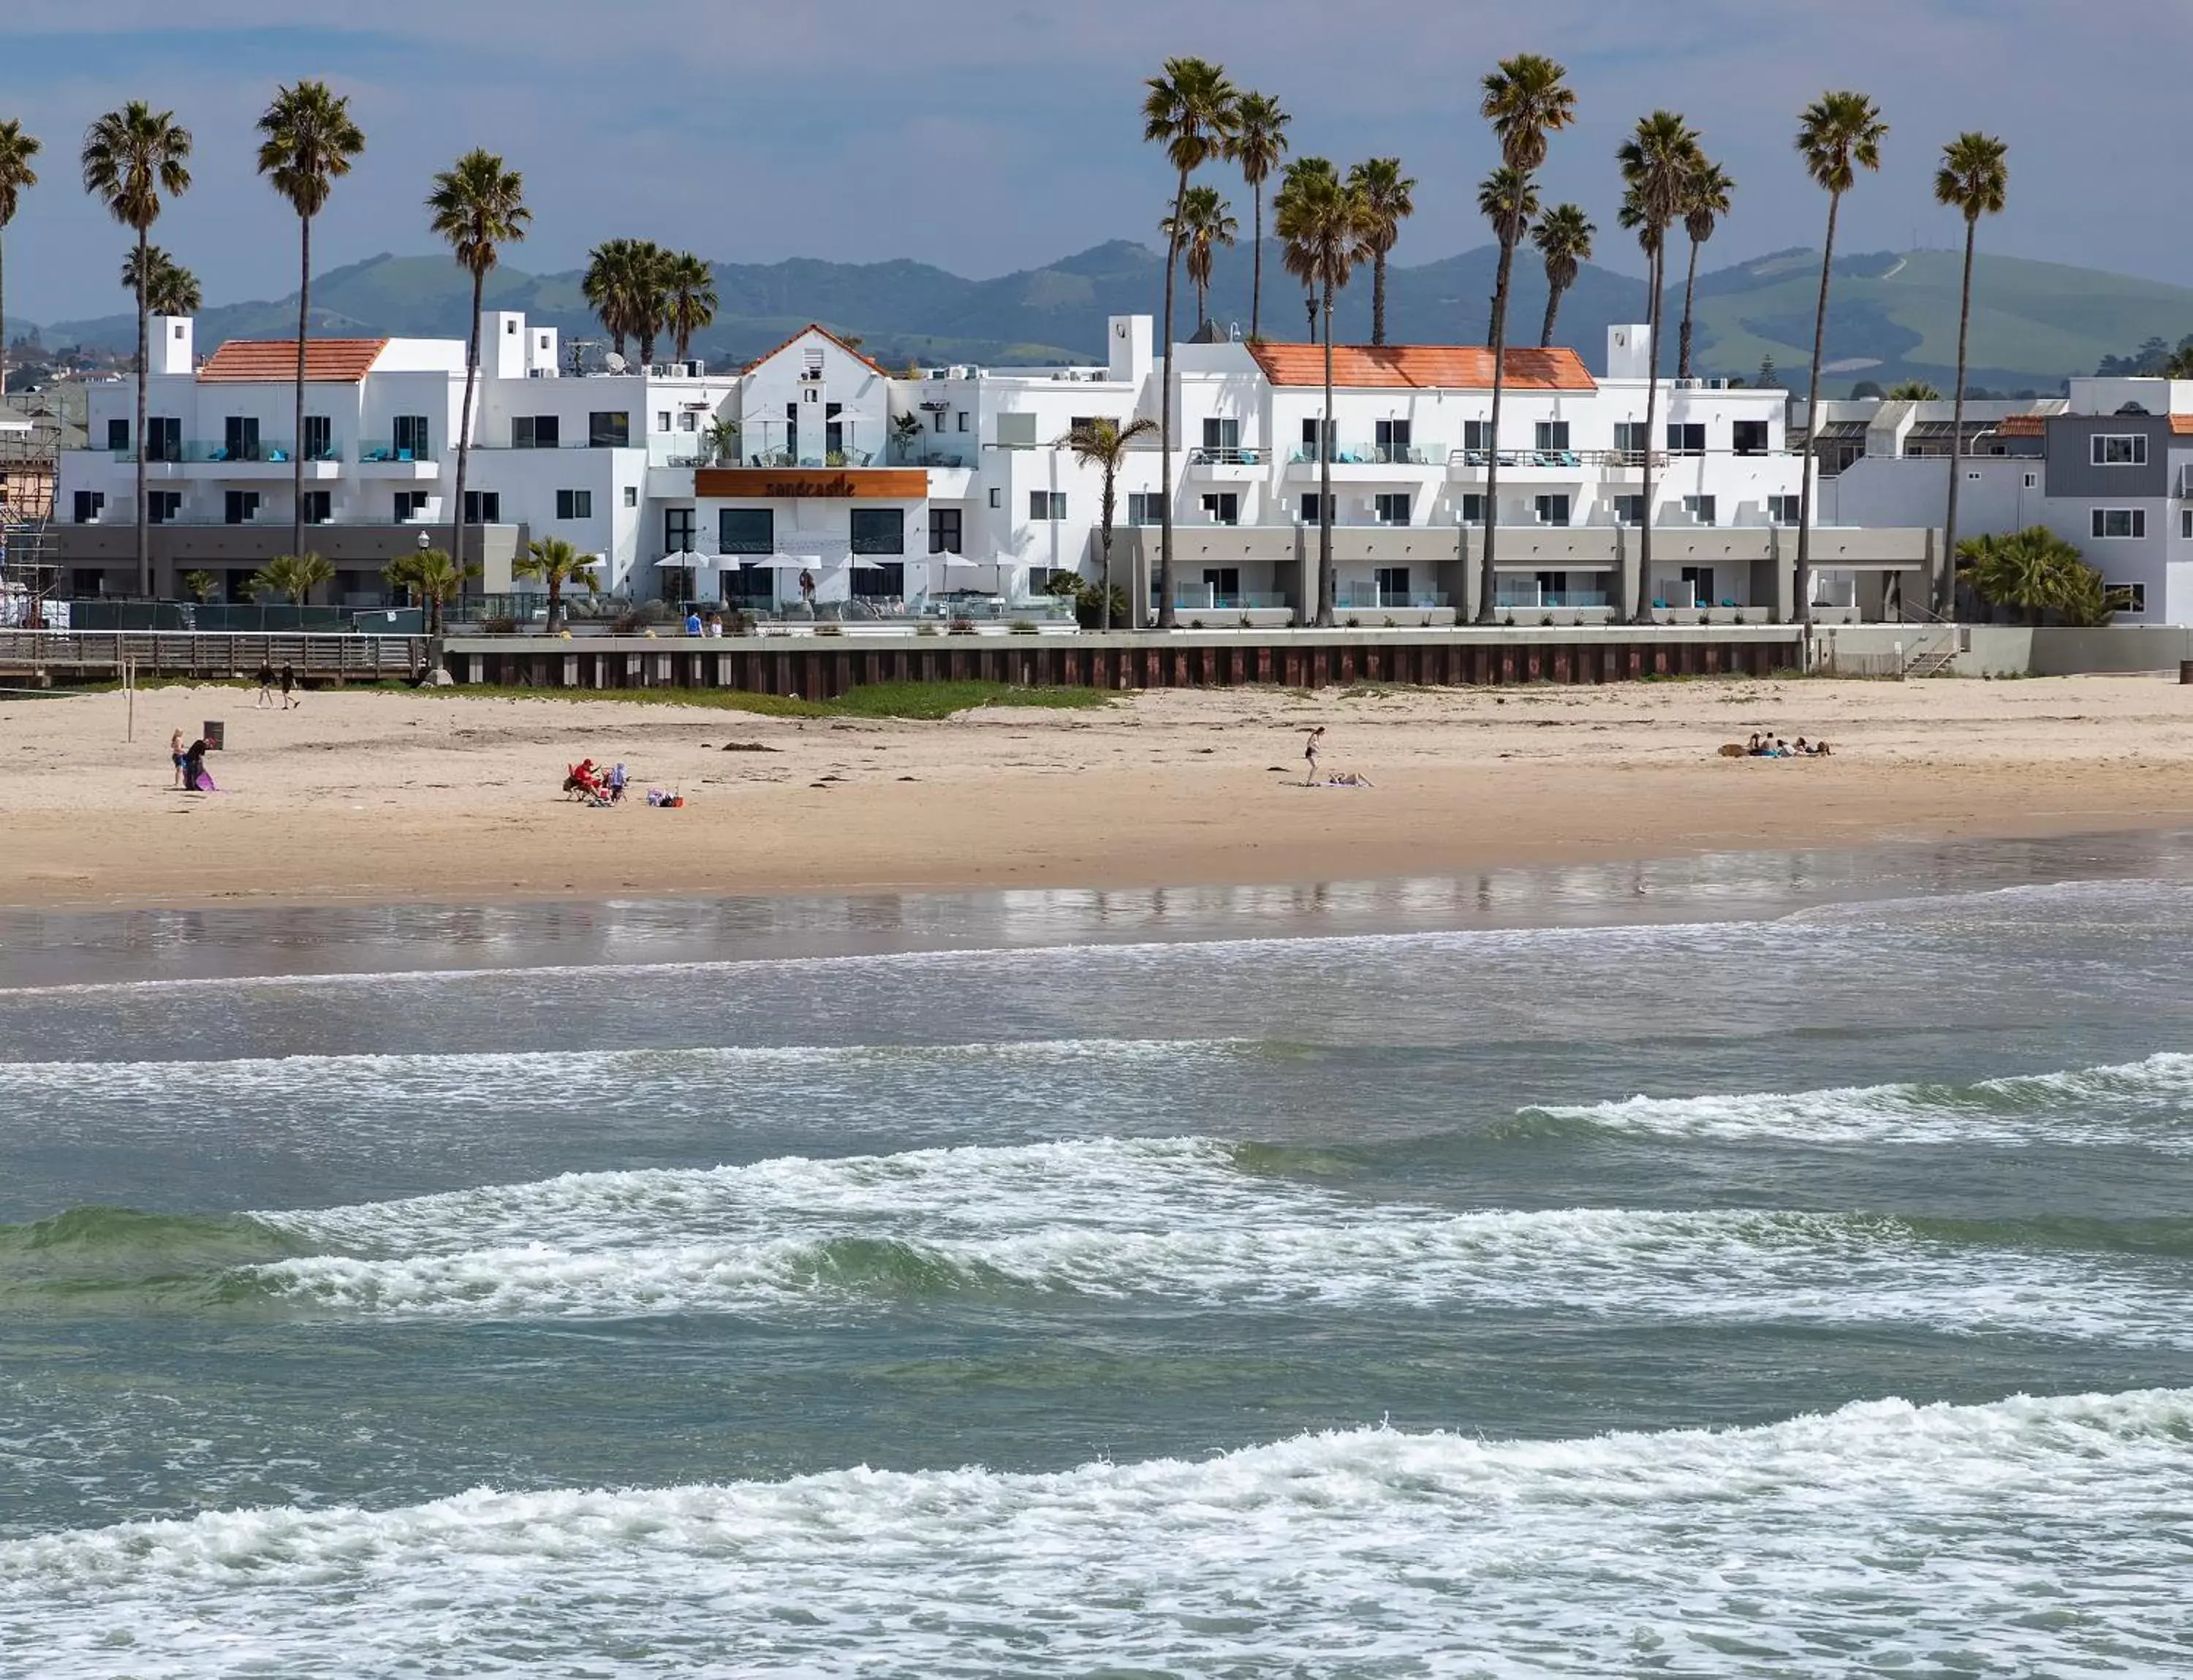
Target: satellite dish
column 613, row 363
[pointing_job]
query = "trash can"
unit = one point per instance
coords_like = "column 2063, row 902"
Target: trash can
column 215, row 734
column 2185, row 673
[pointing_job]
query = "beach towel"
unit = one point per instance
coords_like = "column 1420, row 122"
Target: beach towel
column 205, row 783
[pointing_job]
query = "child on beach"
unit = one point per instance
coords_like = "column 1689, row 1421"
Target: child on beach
column 175, row 751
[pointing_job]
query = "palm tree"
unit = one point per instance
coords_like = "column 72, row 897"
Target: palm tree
column 1508, row 200
column 307, row 142
column 169, row 288
column 292, row 576
column 131, row 158
column 1388, row 200
column 1657, row 161
column 2035, row 571
column 1974, row 179
column 478, row 207
column 1206, row 222
column 1527, row 99
column 1103, row 443
column 1257, row 145
column 17, row 149
column 1838, row 134
column 1322, row 225
column 607, row 289
column 1195, row 112
column 691, row 304
column 1705, row 200
column 1911, row 390
column 431, row 577
column 556, row 563
column 650, row 295
column 1563, row 236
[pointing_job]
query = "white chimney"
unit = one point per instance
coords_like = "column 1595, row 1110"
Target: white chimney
column 502, row 344
column 1629, row 352
column 1132, row 336
column 168, row 344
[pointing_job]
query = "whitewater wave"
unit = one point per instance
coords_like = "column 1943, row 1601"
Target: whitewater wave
column 2029, row 1534
column 2148, row 1103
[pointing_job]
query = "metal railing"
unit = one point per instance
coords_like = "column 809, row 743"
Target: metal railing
column 1364, row 454
column 1540, row 599
column 80, row 654
column 1478, row 459
column 240, row 618
column 1224, row 454
column 197, row 451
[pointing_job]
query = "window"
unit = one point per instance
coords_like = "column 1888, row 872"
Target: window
column 884, row 583
column 2125, row 597
column 1223, row 436
column 1476, row 434
column 611, row 430
column 1687, row 439
column 118, row 436
column 1630, row 440
column 944, row 530
column 1222, row 508
column 409, row 503
column 1750, row 436
column 1700, row 508
column 163, row 507
column 998, row 500
column 2120, row 522
column 1309, row 433
column 1039, row 578
column 1223, row 585
column 86, row 580
column 319, row 506
column 962, row 420
column 632, row 496
column 241, row 507
column 745, row 531
column 1552, row 434
column 535, row 432
column 1046, row 505
column 1629, row 510
column 483, row 508
column 2120, row 449
column 2032, row 481
column 574, row 504
column 1392, row 583
column 318, row 443
column 662, row 420
column 164, row 438
column 1394, row 440
column 1473, row 510
column 1552, row 510
column 1313, row 509
column 2184, row 519
column 1392, row 510
column 677, row 530
column 1144, row 508
column 1784, row 510
column 411, row 438
column 879, row 530
column 1701, row 580
column 689, row 421
column 936, row 419
column 240, row 435
column 91, row 503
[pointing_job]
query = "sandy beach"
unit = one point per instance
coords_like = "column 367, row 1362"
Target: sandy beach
column 374, row 795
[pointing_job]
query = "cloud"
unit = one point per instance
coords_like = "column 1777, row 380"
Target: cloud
column 989, row 134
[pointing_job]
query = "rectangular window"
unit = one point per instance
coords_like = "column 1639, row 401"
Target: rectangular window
column 2125, row 597
column 91, row 503
column 879, row 530
column 1046, row 506
column 318, row 443
column 1552, row 434
column 118, row 436
column 1750, row 436
column 239, row 439
column 1144, row 508
column 319, row 506
column 163, row 507
column 535, row 432
column 1312, row 508
column 2120, row 449
column 747, row 531
column 574, row 504
column 936, row 419
column 1630, row 440
column 632, row 496
column 164, row 438
column 962, row 420
column 482, row 506
column 1473, row 510
column 677, row 530
column 2110, row 522
column 662, row 420
column 1394, row 440
column 1688, row 438
column 2032, row 481
column 1222, row 508
column 884, row 583
column 410, row 504
column 1552, row 510
column 606, row 430
column 1310, row 431
column 85, row 582
column 1224, row 585
column 688, row 420
column 1784, row 510
column 2185, row 520
column 240, row 507
column 1394, row 508
column 944, row 530
column 1221, row 435
column 998, row 498
column 1629, row 510
column 411, row 438
column 1392, row 583
column 1476, row 434
column 1700, row 508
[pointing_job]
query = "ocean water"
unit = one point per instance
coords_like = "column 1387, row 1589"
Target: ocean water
column 1761, row 1267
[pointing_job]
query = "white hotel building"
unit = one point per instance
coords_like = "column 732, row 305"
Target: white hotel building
column 890, row 489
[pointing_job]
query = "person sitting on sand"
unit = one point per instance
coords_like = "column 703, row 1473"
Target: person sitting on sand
column 1348, row 778
column 1751, row 747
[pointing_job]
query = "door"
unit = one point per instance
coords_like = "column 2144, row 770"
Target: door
column 1701, row 580
column 1392, row 583
column 1222, row 586
column 241, row 442
column 1393, row 438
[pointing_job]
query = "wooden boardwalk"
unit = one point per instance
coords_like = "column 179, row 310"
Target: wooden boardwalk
column 38, row 659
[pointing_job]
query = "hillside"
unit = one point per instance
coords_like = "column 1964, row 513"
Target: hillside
column 1894, row 314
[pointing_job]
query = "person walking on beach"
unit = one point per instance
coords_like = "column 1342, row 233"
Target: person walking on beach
column 289, row 684
column 1309, row 754
column 177, row 751
column 266, row 685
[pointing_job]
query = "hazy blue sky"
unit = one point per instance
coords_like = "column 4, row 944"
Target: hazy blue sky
column 985, row 136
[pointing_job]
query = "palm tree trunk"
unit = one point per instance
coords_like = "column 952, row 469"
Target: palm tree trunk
column 1640, row 609
column 555, row 599
column 1104, row 513
column 297, row 437
column 464, row 444
column 1945, row 565
column 3, row 319
column 144, row 374
column 1553, row 308
column 1256, row 280
column 1379, row 297
column 1326, row 592
column 1813, row 425
column 1167, row 618
column 1690, row 290
column 1486, row 583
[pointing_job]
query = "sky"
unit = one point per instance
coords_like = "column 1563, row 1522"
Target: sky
column 990, row 135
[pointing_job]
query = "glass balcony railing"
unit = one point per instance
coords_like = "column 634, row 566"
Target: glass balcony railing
column 1210, row 599
column 1536, row 600
column 1366, row 455
column 195, row 451
column 1372, row 599
column 370, row 454
column 917, row 454
column 1224, row 454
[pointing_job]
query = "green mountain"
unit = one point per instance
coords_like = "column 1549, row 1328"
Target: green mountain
column 1894, row 314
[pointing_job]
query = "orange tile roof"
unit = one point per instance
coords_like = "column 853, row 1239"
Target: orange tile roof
column 2023, row 426
column 814, row 326
column 330, row 361
column 2181, row 425
column 1358, row 367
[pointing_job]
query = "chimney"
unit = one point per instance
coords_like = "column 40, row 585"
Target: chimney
column 168, row 344
column 1131, row 338
column 1629, row 352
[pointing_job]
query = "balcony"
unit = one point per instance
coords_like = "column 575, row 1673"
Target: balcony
column 1549, row 466
column 1225, row 463
column 1371, row 597
column 1363, row 463
column 1529, row 597
column 397, row 462
column 264, row 459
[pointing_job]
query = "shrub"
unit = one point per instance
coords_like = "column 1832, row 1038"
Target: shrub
column 500, row 624
column 925, row 629
column 963, row 627
column 1022, row 626
column 829, row 627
